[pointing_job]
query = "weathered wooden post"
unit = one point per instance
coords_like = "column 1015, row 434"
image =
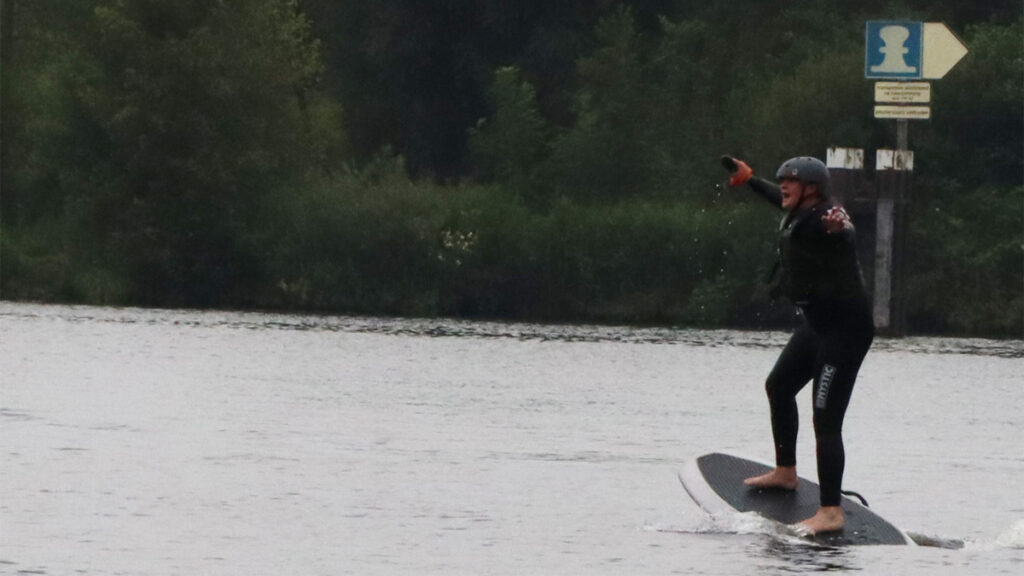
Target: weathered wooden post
column 878, row 208
column 853, row 188
column 893, row 173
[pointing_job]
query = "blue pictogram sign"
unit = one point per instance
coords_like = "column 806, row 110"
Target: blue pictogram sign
column 893, row 50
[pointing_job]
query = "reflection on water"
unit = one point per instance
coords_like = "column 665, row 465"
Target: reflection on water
column 523, row 331
column 804, row 556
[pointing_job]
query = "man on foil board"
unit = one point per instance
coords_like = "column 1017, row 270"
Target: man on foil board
column 818, row 272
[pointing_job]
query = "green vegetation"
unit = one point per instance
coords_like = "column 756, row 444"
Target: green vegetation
column 477, row 158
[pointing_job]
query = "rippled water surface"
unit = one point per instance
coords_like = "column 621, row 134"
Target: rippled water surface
column 152, row 442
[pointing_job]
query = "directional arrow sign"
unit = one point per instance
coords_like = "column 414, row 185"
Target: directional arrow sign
column 904, row 50
column 940, row 50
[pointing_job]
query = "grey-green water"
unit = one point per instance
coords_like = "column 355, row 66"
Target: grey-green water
column 152, row 442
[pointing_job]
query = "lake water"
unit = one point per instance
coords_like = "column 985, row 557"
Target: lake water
column 153, row 442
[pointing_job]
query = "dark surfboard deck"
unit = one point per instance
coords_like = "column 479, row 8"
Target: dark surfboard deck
column 715, row 482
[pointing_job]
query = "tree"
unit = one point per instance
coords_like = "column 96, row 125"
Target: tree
column 604, row 156
column 208, row 109
column 510, row 145
column 966, row 273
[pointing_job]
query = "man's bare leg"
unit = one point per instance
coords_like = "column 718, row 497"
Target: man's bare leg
column 783, row 477
column 827, row 519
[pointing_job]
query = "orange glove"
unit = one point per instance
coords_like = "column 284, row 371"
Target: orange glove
column 740, row 171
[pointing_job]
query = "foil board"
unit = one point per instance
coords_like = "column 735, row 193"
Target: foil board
column 715, row 482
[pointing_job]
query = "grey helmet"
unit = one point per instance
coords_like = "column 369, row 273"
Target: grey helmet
column 807, row 170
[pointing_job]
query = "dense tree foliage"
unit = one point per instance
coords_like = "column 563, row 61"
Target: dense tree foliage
column 534, row 159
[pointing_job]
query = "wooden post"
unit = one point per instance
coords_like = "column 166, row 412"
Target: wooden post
column 894, row 169
column 883, row 262
column 902, row 127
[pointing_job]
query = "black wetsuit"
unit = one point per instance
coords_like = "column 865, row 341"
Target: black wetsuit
column 819, row 272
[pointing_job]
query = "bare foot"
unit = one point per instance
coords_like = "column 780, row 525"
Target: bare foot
column 783, row 477
column 827, row 519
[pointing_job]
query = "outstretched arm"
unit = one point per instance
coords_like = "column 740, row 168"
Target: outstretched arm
column 767, row 190
column 743, row 174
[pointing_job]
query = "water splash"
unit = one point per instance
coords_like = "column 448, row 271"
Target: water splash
column 936, row 541
column 745, row 523
column 734, row 523
column 1012, row 538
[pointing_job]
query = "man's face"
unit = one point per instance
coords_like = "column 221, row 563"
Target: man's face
column 792, row 193
column 796, row 192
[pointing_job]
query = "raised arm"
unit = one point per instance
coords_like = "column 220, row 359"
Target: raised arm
column 767, row 190
column 743, row 174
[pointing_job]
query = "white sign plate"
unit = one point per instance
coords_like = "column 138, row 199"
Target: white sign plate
column 847, row 158
column 903, row 112
column 903, row 92
column 894, row 160
column 941, row 49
